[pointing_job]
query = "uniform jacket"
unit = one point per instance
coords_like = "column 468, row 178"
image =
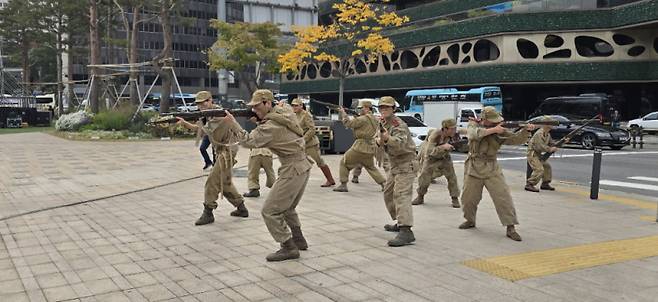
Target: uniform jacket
column 482, row 159
column 308, row 126
column 400, row 147
column 260, row 151
column 365, row 129
column 539, row 143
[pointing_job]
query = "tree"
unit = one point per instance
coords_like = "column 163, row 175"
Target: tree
column 356, row 33
column 94, row 54
column 248, row 49
column 162, row 62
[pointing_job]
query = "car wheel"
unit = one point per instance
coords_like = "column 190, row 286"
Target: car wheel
column 418, row 117
column 588, row 141
column 616, row 147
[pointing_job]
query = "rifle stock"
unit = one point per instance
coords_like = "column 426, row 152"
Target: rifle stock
column 546, row 155
column 336, row 107
column 171, row 117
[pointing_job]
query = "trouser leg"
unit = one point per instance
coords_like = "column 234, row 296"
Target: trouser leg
column 402, row 191
column 502, row 199
column 203, row 148
column 451, row 177
column 253, row 171
column 537, row 170
column 279, row 208
column 471, row 196
column 548, row 172
column 267, row 165
column 389, row 188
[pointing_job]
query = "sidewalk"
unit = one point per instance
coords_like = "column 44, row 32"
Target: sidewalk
column 143, row 246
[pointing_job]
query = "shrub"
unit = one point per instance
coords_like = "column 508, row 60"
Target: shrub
column 113, row 120
column 73, row 121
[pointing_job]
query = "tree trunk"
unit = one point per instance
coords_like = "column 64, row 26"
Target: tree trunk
column 95, row 55
column 70, row 85
column 341, row 84
column 132, row 58
column 60, row 69
column 25, row 62
column 166, row 55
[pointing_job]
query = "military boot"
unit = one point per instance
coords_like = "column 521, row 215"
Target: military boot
column 241, row 211
column 512, row 234
column 392, row 227
column 467, row 225
column 288, row 251
column 546, row 186
column 252, row 193
column 531, row 188
column 355, row 179
column 298, row 238
column 383, row 186
column 341, row 188
column 404, row 237
column 420, row 199
column 206, row 217
column 455, row 202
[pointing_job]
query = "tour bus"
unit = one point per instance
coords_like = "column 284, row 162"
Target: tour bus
column 487, row 96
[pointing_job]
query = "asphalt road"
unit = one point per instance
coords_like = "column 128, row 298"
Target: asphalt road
column 626, row 170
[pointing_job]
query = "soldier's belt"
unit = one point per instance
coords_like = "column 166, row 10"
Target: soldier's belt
column 292, row 158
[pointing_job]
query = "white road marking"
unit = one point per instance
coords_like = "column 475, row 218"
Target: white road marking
column 644, row 178
column 628, row 185
column 578, row 155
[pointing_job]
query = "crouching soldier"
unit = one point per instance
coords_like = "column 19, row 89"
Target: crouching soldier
column 541, row 170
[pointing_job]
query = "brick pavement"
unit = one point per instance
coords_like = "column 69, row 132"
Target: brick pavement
column 144, row 247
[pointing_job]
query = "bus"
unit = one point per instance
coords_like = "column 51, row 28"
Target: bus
column 487, row 96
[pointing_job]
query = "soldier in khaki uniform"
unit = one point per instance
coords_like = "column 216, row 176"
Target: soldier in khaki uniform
column 312, row 142
column 362, row 152
column 220, row 179
column 436, row 161
column 401, row 151
column 259, row 158
column 481, row 169
column 280, row 132
column 541, row 170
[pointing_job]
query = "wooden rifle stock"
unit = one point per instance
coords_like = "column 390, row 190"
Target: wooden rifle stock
column 546, row 155
column 171, row 117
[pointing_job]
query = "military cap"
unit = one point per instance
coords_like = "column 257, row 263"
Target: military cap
column 547, row 119
column 387, row 101
column 296, row 101
column 261, row 95
column 202, row 96
column 365, row 103
column 489, row 113
column 448, row 123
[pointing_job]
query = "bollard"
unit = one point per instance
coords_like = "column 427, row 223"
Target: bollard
column 528, row 171
column 633, row 137
column 641, row 138
column 596, row 174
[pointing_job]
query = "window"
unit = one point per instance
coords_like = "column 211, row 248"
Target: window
column 234, row 12
column 652, row 116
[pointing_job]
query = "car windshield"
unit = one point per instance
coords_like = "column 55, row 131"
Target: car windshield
column 411, row 121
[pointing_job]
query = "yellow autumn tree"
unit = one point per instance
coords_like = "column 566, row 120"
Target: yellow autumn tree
column 356, row 33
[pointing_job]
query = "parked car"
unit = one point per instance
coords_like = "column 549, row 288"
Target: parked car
column 648, row 122
column 417, row 128
column 591, row 135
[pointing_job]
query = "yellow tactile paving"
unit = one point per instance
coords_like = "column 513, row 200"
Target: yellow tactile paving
column 613, row 198
column 553, row 261
column 648, row 218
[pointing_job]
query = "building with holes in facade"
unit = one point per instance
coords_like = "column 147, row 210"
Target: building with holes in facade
column 532, row 49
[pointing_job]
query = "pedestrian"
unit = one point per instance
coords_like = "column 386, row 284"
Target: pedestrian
column 259, row 158
column 312, row 142
column 280, row 132
column 362, row 152
column 437, row 162
column 203, row 148
column 220, row 179
column 616, row 117
column 481, row 169
column 401, row 150
column 540, row 142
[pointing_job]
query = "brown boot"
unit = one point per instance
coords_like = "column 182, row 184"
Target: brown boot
column 298, row 238
column 512, row 234
column 420, row 199
column 288, row 251
column 252, row 193
column 531, row 188
column 546, row 186
column 455, row 203
column 206, row 217
column 327, row 174
column 467, row 225
column 404, row 237
column 391, row 227
column 341, row 188
column 241, row 211
column 355, row 179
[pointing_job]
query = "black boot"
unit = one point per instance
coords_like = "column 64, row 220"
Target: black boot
column 252, row 193
column 298, row 238
column 206, row 217
column 241, row 211
column 404, row 237
column 355, row 179
column 288, row 251
column 455, row 202
column 546, row 186
column 391, row 227
column 420, row 199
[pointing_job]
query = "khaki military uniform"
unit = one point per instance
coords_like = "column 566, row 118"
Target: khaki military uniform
column 280, row 132
column 312, row 142
column 362, row 152
column 220, row 179
column 398, row 188
column 481, row 169
column 436, row 162
column 260, row 158
column 541, row 170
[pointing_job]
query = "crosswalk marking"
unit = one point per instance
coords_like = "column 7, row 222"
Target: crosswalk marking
column 644, row 178
column 633, row 185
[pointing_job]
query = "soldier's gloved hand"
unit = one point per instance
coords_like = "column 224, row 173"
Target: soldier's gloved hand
column 384, row 136
column 253, row 119
column 554, row 149
column 530, row 127
column 229, row 117
column 499, row 129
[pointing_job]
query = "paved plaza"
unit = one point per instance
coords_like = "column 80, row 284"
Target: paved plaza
column 114, row 221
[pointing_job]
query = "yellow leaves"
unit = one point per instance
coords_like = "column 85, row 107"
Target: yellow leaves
column 357, row 52
column 376, row 43
column 392, row 19
column 326, row 57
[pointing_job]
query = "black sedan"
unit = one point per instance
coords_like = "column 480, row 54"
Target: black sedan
column 591, row 135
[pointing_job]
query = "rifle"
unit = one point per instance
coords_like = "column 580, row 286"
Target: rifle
column 460, row 145
column 546, row 155
column 336, row 107
column 171, row 117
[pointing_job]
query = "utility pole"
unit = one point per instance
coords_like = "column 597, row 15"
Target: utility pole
column 2, row 73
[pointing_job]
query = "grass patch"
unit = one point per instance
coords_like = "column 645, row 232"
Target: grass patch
column 26, row 130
